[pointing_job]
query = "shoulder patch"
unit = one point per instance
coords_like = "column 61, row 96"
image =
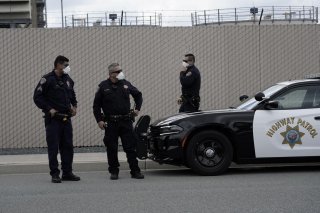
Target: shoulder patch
column 189, row 74
column 125, row 86
column 43, row 80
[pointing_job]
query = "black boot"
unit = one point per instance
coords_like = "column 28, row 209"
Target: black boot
column 114, row 176
column 137, row 175
column 55, row 179
column 70, row 177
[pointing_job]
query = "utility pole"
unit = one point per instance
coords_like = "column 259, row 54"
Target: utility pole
column 62, row 14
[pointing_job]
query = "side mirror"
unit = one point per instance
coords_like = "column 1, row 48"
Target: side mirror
column 271, row 105
column 259, row 96
column 243, row 98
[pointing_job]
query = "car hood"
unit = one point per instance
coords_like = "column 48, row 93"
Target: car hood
column 180, row 116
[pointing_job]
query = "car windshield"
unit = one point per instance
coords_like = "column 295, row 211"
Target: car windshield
column 251, row 103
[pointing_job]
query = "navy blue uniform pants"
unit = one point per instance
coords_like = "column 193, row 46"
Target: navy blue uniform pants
column 187, row 107
column 124, row 129
column 59, row 138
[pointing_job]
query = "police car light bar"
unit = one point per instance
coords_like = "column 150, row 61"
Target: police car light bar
column 312, row 76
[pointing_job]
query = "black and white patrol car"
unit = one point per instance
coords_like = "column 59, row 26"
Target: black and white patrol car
column 279, row 125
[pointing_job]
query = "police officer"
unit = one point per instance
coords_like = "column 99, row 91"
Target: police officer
column 54, row 94
column 190, row 80
column 113, row 98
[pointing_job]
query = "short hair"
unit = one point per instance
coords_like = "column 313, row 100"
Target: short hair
column 60, row 59
column 112, row 66
column 190, row 55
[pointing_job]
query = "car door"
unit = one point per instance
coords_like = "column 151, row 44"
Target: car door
column 293, row 128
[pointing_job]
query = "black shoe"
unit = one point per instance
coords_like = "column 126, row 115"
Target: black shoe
column 114, row 176
column 137, row 175
column 70, row 177
column 55, row 179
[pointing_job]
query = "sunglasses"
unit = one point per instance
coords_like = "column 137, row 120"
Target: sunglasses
column 118, row 71
column 65, row 65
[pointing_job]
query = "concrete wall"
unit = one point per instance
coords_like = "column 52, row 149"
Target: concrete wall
column 233, row 60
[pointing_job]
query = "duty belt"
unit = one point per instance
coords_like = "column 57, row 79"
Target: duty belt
column 119, row 117
column 62, row 116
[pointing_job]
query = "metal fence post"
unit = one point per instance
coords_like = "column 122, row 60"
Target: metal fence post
column 72, row 21
column 312, row 13
column 235, row 15
column 205, row 17
column 196, row 18
column 192, row 24
column 290, row 14
column 309, row 14
column 218, row 17
column 121, row 20
column 272, row 14
column 87, row 20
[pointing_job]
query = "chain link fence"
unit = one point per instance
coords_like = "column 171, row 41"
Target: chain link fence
column 233, row 60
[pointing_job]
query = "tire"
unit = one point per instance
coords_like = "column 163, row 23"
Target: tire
column 209, row 153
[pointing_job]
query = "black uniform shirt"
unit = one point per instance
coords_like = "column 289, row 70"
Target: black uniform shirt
column 113, row 98
column 54, row 92
column 190, row 81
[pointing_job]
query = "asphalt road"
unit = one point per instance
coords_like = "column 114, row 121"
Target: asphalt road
column 288, row 189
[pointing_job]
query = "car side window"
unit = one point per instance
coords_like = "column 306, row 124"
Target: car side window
column 316, row 102
column 300, row 98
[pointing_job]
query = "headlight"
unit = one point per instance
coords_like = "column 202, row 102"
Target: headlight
column 170, row 129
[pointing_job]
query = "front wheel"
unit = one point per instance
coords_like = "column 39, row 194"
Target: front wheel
column 209, row 153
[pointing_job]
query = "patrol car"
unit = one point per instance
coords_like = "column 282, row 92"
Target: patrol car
column 279, row 125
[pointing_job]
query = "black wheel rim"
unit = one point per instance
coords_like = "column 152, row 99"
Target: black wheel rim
column 209, row 153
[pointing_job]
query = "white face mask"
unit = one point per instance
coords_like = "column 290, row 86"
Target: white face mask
column 66, row 70
column 185, row 64
column 121, row 76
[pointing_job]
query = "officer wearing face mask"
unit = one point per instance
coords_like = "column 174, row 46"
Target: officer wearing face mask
column 55, row 95
column 190, row 80
column 112, row 97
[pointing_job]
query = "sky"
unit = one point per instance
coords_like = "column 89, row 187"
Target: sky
column 168, row 8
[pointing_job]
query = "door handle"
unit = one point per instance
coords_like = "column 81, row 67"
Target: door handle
column 317, row 118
